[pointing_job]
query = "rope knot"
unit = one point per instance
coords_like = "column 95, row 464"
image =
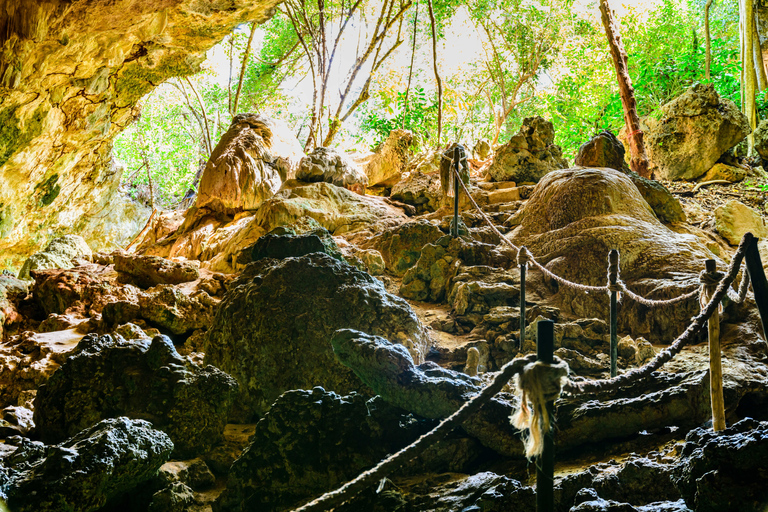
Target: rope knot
column 538, row 383
column 710, row 278
column 523, row 256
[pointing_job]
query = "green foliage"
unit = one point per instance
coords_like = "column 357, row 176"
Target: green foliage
column 420, row 116
column 164, row 138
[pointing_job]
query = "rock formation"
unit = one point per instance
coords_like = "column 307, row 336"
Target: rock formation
column 695, row 129
column 330, row 166
column 529, row 155
column 246, row 168
column 386, row 165
column 70, row 77
column 250, row 339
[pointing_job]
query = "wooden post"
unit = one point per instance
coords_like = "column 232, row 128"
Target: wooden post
column 758, row 281
column 638, row 161
column 456, row 178
column 545, row 463
column 613, row 278
column 523, row 267
column 715, row 363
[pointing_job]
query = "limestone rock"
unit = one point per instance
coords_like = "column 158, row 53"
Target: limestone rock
column 176, row 497
column 721, row 171
column 149, row 271
column 602, row 150
column 86, row 471
column 529, row 154
column 401, row 246
column 320, row 294
column 695, row 129
column 108, row 377
column 287, row 246
column 330, row 166
column 11, row 290
column 387, row 163
column 419, row 190
column 666, row 206
column 16, row 421
column 241, row 172
column 761, row 139
column 723, row 470
column 734, row 219
column 336, row 209
column 58, row 254
column 576, row 216
column 482, row 149
column 70, row 84
column 311, row 442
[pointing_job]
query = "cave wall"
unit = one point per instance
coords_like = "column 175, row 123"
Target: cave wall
column 71, row 74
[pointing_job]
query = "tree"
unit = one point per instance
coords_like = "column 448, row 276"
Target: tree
column 638, row 161
column 520, row 38
column 320, row 28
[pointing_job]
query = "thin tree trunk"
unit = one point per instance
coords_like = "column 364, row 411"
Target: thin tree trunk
column 639, row 161
column 748, row 70
column 757, row 55
column 437, row 72
column 229, row 81
column 242, row 69
column 708, row 55
column 204, row 114
column 410, row 69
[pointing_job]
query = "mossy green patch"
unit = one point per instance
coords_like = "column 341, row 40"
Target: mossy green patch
column 6, row 220
column 49, row 190
column 134, row 81
column 12, row 136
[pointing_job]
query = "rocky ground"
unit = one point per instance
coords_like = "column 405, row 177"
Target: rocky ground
column 258, row 351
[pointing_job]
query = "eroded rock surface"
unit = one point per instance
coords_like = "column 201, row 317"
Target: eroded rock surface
column 60, row 253
column 251, row 339
column 70, row 79
column 148, row 271
column 86, row 471
column 576, row 216
column 386, row 165
column 107, row 377
column 529, row 154
column 330, row 166
column 695, row 129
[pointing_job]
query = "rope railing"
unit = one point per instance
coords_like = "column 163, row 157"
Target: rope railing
column 651, row 303
column 714, row 287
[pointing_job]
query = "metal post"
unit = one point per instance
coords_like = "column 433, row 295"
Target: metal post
column 545, row 463
column 715, row 363
column 456, row 178
column 613, row 278
column 523, row 267
column 759, row 283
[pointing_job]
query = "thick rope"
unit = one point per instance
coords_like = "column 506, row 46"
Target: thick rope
column 368, row 478
column 686, row 337
column 538, row 383
column 738, row 298
column 528, row 258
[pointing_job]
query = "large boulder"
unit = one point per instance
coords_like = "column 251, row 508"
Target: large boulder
column 309, row 443
column 401, row 246
column 419, row 190
column 330, row 166
column 57, row 254
column 695, row 129
column 335, row 208
column 243, row 171
column 602, row 150
column 761, row 139
column 530, row 153
column 387, row 163
column 108, row 377
column 87, row 471
column 724, row 470
column 576, row 216
column 734, row 219
column 149, row 271
column 272, row 330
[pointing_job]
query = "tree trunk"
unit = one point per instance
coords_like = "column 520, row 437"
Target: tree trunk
column 410, row 69
column 749, row 78
column 242, row 69
column 205, row 117
column 229, row 81
column 708, row 55
column 437, row 72
column 639, row 161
